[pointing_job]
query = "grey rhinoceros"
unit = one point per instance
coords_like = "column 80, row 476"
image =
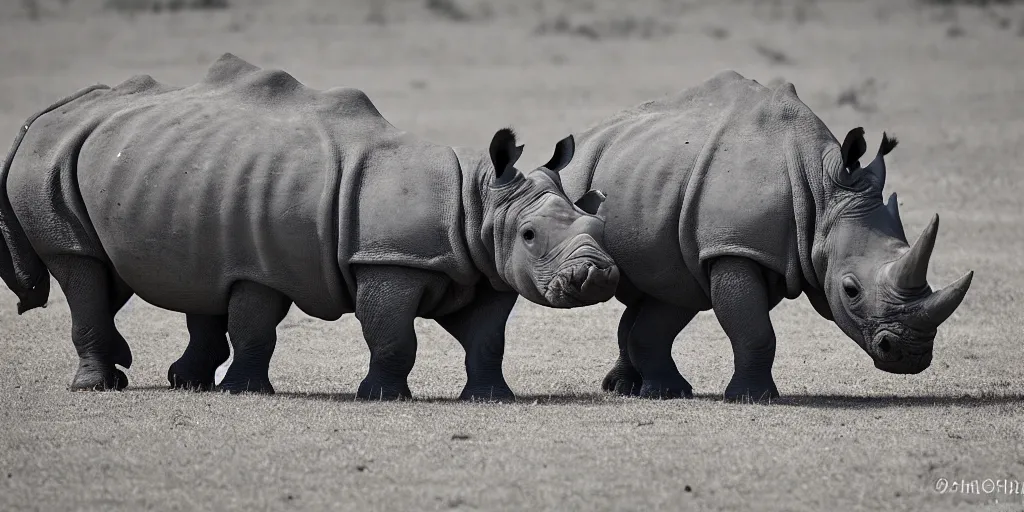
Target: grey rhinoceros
column 732, row 196
column 234, row 198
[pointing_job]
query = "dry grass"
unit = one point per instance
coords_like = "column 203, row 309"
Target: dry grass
column 845, row 436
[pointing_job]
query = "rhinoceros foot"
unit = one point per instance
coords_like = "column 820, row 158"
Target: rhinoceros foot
column 665, row 388
column 751, row 389
column 180, row 377
column 623, row 379
column 498, row 392
column 92, row 376
column 378, row 388
column 236, row 385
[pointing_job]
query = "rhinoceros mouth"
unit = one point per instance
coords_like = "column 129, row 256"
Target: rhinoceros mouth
column 901, row 350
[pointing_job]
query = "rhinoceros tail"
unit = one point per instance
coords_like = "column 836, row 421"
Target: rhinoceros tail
column 21, row 268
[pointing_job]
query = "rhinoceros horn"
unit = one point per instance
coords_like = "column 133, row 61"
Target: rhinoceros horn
column 937, row 307
column 910, row 272
column 893, row 207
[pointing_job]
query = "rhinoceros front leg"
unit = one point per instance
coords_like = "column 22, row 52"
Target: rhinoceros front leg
column 94, row 294
column 388, row 300
column 207, row 349
column 254, row 311
column 624, row 378
column 649, row 347
column 740, row 299
column 480, row 329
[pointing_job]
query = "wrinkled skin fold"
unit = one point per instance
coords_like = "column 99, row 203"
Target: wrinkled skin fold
column 235, row 198
column 730, row 196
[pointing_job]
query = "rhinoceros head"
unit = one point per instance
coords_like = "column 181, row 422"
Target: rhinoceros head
column 875, row 281
column 546, row 247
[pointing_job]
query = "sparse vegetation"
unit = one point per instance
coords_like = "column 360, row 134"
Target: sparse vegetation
column 626, row 27
column 378, row 12
column 860, row 96
column 717, row 32
column 136, row 6
column 774, row 56
column 31, row 9
column 448, row 9
column 977, row 3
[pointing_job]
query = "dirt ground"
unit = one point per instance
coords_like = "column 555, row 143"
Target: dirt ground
column 948, row 81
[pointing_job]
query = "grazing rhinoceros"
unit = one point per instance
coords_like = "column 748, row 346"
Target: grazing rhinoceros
column 234, row 198
column 730, row 196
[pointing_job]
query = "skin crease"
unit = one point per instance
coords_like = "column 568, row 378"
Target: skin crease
column 731, row 196
column 289, row 196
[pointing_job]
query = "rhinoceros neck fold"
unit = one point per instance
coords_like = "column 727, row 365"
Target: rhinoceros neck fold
column 478, row 223
column 806, row 174
column 820, row 164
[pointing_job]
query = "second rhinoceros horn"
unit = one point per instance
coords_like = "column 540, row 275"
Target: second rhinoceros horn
column 910, row 272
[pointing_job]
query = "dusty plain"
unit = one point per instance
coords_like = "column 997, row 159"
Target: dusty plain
column 949, row 81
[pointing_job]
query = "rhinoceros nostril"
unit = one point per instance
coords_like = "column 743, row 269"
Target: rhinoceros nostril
column 885, row 346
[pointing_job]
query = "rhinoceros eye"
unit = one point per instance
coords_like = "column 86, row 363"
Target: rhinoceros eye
column 850, row 287
column 529, row 235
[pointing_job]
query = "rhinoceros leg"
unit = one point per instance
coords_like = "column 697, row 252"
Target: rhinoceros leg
column 741, row 302
column 388, row 300
column 624, row 378
column 254, row 311
column 649, row 347
column 94, row 294
column 480, row 329
column 207, row 349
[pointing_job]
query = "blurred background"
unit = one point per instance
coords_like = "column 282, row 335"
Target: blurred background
column 946, row 77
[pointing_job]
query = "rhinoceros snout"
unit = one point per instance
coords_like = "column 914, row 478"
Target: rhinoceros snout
column 890, row 355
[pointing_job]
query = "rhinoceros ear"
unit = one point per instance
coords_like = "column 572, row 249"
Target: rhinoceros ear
column 591, row 201
column 563, row 154
column 504, row 154
column 853, row 148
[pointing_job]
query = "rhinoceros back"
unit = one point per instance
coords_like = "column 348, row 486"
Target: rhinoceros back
column 239, row 177
column 727, row 168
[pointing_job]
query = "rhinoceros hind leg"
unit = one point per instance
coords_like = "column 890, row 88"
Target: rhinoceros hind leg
column 207, row 349
column 624, row 378
column 480, row 329
column 254, row 311
column 94, row 294
column 741, row 303
column 388, row 300
column 649, row 348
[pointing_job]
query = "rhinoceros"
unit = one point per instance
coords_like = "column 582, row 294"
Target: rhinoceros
column 234, row 198
column 732, row 196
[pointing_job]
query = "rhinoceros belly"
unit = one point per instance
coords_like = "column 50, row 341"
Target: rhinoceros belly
column 189, row 197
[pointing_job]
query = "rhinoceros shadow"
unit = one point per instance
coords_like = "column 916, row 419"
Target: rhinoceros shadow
column 810, row 400
column 821, row 401
column 541, row 399
column 835, row 401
